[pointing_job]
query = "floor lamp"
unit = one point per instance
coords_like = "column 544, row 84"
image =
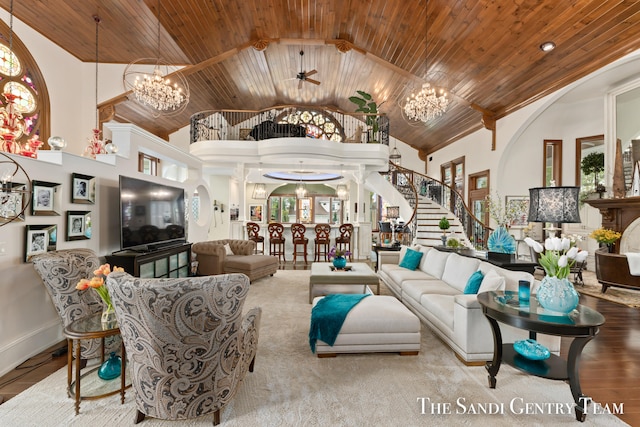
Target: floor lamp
column 393, row 213
column 556, row 205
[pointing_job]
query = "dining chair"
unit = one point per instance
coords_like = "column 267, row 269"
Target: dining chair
column 276, row 240
column 299, row 239
column 322, row 241
column 253, row 231
column 343, row 241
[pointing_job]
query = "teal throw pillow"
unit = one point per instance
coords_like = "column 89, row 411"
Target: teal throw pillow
column 411, row 259
column 474, row 282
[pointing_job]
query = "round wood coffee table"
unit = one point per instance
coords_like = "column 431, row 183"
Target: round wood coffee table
column 95, row 388
column 582, row 324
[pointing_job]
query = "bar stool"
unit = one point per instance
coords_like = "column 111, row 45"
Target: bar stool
column 276, row 240
column 298, row 237
column 322, row 241
column 343, row 241
column 253, row 230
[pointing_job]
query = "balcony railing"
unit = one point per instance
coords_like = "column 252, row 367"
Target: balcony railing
column 290, row 121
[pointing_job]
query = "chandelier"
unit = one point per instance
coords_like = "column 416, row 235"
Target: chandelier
column 427, row 104
column 301, row 190
column 156, row 90
column 342, row 192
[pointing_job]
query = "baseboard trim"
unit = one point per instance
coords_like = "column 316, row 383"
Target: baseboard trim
column 27, row 346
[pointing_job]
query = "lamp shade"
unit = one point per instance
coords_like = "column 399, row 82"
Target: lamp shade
column 393, row 212
column 554, row 204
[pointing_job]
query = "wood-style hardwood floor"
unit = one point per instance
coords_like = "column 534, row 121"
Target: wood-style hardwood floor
column 609, row 368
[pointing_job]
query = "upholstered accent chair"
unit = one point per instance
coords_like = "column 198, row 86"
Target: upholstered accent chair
column 60, row 272
column 187, row 343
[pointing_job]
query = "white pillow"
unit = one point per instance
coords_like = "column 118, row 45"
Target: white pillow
column 492, row 281
column 227, row 249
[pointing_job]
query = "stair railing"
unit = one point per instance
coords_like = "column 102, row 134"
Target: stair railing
column 444, row 195
column 402, row 179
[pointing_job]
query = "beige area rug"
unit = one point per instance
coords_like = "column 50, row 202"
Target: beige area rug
column 628, row 297
column 292, row 387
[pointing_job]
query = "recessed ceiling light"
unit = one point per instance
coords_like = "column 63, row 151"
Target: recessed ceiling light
column 547, row 46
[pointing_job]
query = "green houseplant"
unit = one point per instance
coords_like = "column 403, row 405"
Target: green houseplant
column 444, row 225
column 593, row 164
column 367, row 105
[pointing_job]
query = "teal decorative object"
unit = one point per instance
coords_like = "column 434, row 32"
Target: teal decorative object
column 501, row 241
column 531, row 349
column 340, row 262
column 111, row 368
column 557, row 295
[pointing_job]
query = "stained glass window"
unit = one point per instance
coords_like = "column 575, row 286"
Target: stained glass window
column 318, row 124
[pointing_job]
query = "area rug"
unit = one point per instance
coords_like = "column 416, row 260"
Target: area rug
column 292, row 387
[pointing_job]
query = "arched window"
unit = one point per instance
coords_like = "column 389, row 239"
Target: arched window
column 317, row 124
column 20, row 76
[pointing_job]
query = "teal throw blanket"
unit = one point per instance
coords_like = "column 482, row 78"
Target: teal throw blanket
column 328, row 316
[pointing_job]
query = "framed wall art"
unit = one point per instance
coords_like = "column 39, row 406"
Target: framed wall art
column 256, row 213
column 40, row 239
column 46, row 198
column 83, row 189
column 78, row 225
column 518, row 206
column 13, row 203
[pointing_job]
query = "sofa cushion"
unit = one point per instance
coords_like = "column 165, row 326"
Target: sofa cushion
column 227, row 249
column 474, row 282
column 440, row 306
column 492, row 282
column 414, row 289
column 424, row 250
column 458, row 269
column 400, row 274
column 411, row 259
column 435, row 262
column 511, row 277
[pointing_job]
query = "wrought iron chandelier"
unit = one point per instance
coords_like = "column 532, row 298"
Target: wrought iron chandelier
column 156, row 90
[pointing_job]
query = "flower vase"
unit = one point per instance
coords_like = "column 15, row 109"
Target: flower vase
column 610, row 248
column 108, row 318
column 340, row 262
column 111, row 367
column 557, row 295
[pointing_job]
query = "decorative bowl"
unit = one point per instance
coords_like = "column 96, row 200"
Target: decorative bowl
column 531, row 349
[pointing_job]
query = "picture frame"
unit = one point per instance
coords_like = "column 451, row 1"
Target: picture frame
column 522, row 205
column 40, row 239
column 46, row 198
column 256, row 213
column 14, row 203
column 83, row 189
column 234, row 213
column 78, row 225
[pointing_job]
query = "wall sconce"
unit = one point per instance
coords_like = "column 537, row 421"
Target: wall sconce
column 259, row 191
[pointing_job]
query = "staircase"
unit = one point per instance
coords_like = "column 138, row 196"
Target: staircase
column 428, row 208
column 428, row 217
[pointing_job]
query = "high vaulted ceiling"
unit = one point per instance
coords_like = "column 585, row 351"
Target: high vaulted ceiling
column 244, row 54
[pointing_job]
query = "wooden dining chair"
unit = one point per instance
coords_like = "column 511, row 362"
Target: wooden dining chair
column 322, row 241
column 343, row 241
column 276, row 240
column 253, row 231
column 299, row 239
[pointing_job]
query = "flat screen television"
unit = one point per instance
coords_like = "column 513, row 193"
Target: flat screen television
column 152, row 215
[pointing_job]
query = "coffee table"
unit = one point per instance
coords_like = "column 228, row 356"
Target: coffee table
column 359, row 275
column 95, row 388
column 582, row 324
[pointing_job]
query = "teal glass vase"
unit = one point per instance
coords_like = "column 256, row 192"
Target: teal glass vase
column 557, row 295
column 501, row 241
column 111, row 367
column 339, row 262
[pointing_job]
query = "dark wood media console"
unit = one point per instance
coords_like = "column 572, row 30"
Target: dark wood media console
column 172, row 261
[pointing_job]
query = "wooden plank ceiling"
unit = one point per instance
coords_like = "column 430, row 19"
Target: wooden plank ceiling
column 487, row 49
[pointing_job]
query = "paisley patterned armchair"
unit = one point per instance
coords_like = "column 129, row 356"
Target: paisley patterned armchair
column 187, row 343
column 60, row 272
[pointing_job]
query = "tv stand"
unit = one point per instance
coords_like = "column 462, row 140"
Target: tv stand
column 169, row 261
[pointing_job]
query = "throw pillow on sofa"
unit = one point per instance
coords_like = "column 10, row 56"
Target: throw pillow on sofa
column 411, row 259
column 227, row 249
column 474, row 282
column 492, row 281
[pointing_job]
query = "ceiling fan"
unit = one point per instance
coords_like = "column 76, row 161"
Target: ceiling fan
column 303, row 76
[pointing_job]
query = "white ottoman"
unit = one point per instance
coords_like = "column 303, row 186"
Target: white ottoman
column 377, row 324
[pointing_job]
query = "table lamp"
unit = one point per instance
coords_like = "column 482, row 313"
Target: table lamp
column 556, row 205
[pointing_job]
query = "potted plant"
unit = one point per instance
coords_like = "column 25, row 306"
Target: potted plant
column 367, row 105
column 444, row 226
column 593, row 164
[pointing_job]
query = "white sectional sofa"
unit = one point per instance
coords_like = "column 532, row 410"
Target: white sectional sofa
column 434, row 292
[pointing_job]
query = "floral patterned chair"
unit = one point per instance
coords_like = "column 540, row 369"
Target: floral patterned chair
column 60, row 272
column 188, row 345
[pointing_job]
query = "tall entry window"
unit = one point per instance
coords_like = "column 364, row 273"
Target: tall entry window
column 552, row 162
